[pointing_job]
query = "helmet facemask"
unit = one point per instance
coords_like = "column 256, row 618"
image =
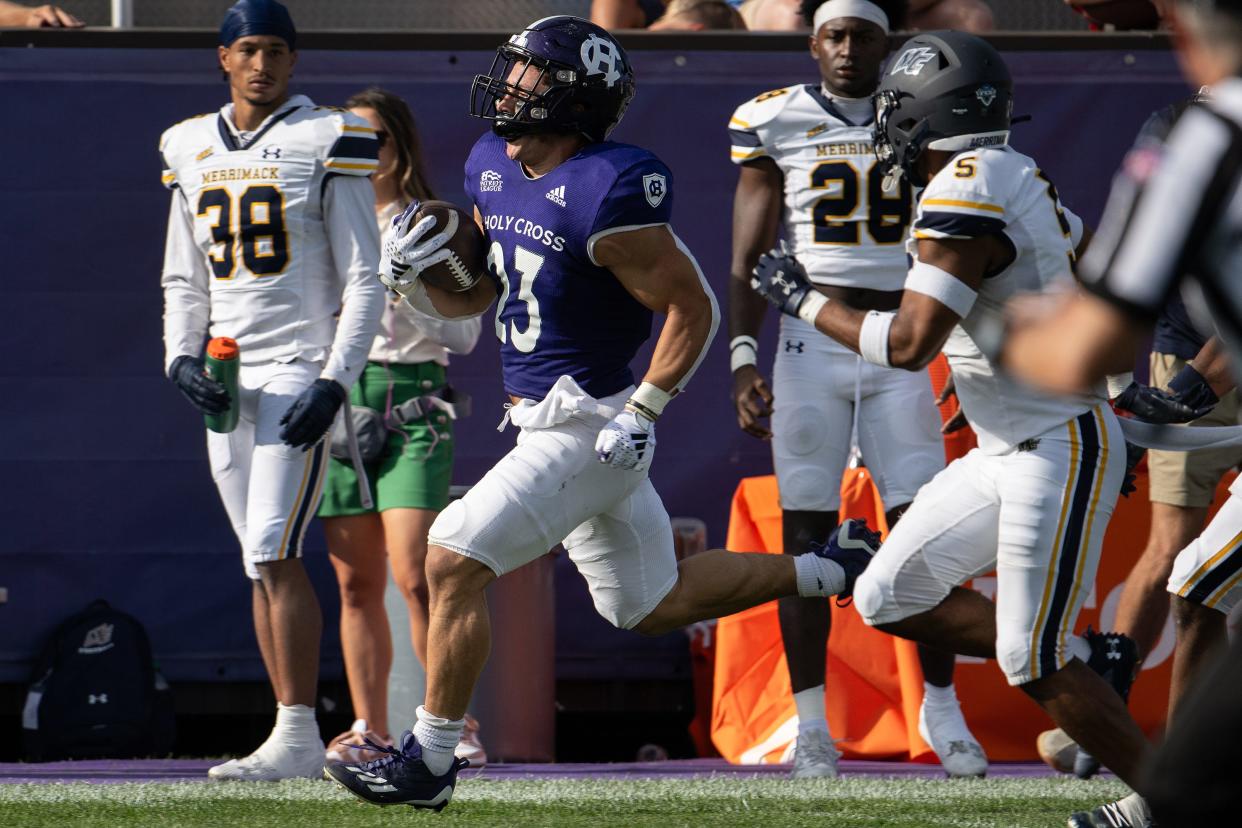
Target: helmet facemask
column 896, row 149
column 538, row 89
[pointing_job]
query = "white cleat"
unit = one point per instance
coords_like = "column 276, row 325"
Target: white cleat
column 271, row 763
column 945, row 730
column 815, row 756
column 469, row 747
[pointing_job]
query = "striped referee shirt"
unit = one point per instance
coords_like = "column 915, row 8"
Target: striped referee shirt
column 1174, row 221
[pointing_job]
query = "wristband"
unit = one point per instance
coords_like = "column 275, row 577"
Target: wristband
column 1192, row 389
column 649, row 400
column 743, row 350
column 810, row 307
column 873, row 337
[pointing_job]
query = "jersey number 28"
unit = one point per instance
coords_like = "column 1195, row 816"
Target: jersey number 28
column 833, row 216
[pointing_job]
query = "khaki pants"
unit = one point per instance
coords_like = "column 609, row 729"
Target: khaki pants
column 1189, row 478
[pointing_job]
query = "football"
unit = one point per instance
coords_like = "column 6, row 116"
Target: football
column 468, row 260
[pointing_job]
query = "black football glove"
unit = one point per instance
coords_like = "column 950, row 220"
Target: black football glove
column 207, row 395
column 782, row 280
column 312, row 413
column 1134, row 453
column 1191, row 397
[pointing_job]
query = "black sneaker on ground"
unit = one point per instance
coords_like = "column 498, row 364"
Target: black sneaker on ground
column 851, row 545
column 1120, row 814
column 1115, row 657
column 400, row 777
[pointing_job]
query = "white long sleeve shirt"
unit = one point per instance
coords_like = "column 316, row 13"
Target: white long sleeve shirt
column 271, row 235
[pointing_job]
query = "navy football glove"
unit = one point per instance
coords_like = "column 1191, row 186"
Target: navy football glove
column 782, row 280
column 1134, row 453
column 1188, row 400
column 312, row 413
column 207, row 395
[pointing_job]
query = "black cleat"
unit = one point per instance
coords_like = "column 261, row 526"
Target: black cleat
column 1115, row 657
column 851, row 545
column 1130, row 812
column 400, row 777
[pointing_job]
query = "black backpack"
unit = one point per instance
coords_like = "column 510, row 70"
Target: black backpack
column 96, row 692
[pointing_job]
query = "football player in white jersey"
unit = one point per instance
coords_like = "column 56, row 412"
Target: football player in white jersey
column 270, row 235
column 1034, row 499
column 807, row 160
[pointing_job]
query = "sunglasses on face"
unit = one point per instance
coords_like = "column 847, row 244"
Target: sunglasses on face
column 382, row 137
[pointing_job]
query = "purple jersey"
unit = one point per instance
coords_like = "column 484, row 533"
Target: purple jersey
column 559, row 313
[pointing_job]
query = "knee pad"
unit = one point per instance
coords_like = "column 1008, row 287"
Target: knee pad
column 1013, row 656
column 804, row 430
column 869, row 597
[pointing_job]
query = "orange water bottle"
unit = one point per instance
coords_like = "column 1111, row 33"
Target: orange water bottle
column 221, row 365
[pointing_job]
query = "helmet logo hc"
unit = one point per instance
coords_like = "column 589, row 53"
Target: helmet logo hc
column 912, row 61
column 599, row 56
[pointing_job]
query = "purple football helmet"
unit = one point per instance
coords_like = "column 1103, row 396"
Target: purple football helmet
column 559, row 74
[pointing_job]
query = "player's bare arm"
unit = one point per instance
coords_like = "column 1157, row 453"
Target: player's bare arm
column 656, row 271
column 756, row 217
column 908, row 338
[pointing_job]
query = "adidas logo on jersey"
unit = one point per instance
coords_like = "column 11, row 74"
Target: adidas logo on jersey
column 490, row 181
column 557, row 195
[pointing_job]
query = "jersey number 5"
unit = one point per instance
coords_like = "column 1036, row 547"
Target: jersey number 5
column 261, row 220
column 831, row 216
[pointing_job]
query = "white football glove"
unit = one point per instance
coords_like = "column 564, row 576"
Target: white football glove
column 627, row 442
column 406, row 253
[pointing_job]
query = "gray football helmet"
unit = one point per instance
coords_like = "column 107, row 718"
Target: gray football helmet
column 943, row 91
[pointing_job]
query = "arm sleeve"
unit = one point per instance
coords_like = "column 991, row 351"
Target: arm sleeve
column 1160, row 212
column 349, row 219
column 186, row 283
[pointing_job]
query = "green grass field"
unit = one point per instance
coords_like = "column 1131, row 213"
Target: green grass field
column 848, row 802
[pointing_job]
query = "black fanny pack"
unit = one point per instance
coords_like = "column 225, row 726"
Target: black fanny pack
column 371, row 429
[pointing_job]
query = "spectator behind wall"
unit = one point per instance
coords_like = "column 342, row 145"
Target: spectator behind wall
column 963, row 15
column 1124, row 14
column 17, row 16
column 697, row 16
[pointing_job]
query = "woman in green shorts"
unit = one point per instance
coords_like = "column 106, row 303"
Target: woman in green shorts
column 410, row 479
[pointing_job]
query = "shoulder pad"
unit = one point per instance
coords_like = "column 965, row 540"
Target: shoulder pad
column 354, row 149
column 745, row 139
column 174, row 142
column 761, row 109
column 968, row 197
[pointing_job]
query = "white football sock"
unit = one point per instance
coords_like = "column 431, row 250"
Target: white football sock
column 818, row 577
column 295, row 726
column 811, row 713
column 939, row 696
column 1079, row 648
column 438, row 738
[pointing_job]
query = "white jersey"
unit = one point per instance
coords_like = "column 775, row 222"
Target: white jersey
column 999, row 191
column 844, row 229
column 271, row 234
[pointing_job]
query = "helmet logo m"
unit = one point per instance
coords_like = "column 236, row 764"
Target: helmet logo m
column 600, row 57
column 912, row 61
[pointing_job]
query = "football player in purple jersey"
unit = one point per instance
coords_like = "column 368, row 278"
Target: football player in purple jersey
column 581, row 254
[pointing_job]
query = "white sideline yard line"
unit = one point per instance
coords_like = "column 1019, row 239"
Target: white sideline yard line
column 567, row 792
